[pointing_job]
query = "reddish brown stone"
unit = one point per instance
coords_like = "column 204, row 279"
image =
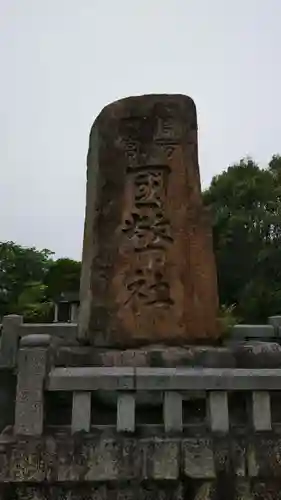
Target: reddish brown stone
column 148, row 271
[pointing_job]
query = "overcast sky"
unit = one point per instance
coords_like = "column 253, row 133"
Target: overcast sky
column 62, row 61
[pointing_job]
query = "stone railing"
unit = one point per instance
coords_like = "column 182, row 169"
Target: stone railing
column 174, row 458
column 36, row 376
column 31, row 368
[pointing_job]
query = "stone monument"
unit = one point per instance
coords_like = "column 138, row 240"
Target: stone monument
column 148, row 268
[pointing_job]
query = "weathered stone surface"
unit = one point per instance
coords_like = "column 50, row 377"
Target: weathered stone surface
column 33, row 359
column 154, row 355
column 257, row 354
column 230, row 457
column 161, row 459
column 263, row 456
column 140, row 469
column 27, row 462
column 148, row 270
column 198, row 458
column 153, row 491
column 252, row 332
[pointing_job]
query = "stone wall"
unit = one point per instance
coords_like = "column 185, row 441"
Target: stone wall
column 218, row 455
column 99, row 467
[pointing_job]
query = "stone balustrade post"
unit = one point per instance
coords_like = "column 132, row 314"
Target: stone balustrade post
column 172, row 411
column 81, row 411
column 32, row 369
column 217, row 410
column 126, row 408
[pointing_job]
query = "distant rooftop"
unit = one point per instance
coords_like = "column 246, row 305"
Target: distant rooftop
column 69, row 297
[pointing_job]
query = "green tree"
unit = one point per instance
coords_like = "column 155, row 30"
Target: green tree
column 63, row 276
column 245, row 201
column 33, row 305
column 19, row 267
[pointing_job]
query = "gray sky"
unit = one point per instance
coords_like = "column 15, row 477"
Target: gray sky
column 62, row 61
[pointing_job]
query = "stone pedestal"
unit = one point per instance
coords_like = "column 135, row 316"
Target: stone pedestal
column 148, row 269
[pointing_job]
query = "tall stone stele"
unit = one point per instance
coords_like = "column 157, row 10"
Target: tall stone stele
column 148, row 269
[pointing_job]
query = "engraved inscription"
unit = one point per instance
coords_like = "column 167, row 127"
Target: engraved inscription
column 149, row 287
column 131, row 150
column 146, row 225
column 167, row 137
column 148, row 283
column 148, row 231
column 166, row 128
column 150, row 186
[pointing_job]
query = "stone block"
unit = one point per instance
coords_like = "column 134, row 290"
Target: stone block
column 93, row 458
column 198, row 458
column 102, row 460
column 148, row 236
column 27, row 463
column 257, row 354
column 161, row 459
column 147, row 356
column 248, row 332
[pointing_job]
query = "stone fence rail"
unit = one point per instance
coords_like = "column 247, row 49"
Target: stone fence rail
column 36, row 376
column 27, row 353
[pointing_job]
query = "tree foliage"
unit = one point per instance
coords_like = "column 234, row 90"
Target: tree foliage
column 245, row 201
column 63, row 276
column 30, row 280
column 19, row 267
